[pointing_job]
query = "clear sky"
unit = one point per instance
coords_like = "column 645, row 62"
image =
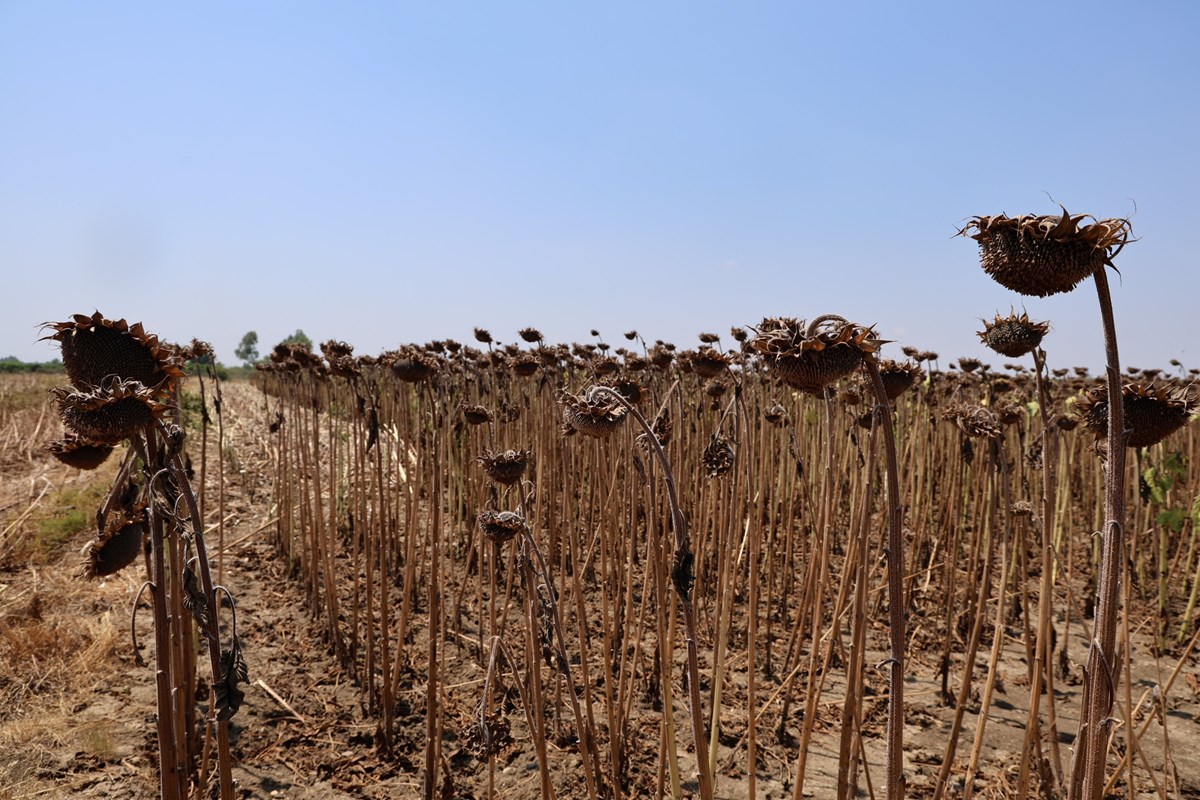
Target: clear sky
column 384, row 173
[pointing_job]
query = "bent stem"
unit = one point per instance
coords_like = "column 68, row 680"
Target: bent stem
column 896, row 607
column 681, row 576
column 1101, row 680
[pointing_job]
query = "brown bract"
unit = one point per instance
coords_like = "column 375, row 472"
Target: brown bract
column 1045, row 255
column 1013, row 336
column 813, row 356
column 596, row 413
column 111, row 413
column 1152, row 413
column 96, row 350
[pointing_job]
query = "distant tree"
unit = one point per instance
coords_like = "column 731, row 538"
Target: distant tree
column 300, row 338
column 11, row 364
column 247, row 351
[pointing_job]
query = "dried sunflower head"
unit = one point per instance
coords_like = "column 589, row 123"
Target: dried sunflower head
column 1045, row 255
column 531, row 335
column 596, row 413
column 501, row 526
column 628, row 388
column 635, row 363
column 776, row 414
column 412, row 365
column 489, row 735
column 117, row 546
column 605, row 365
column 661, row 356
column 662, row 426
column 716, row 388
column 96, row 350
column 111, row 413
column 340, row 357
column 474, row 414
column 811, row 357
column 718, row 457
column 709, row 363
column 969, row 364
column 1009, row 413
column 1151, row 413
column 899, row 376
column 975, row 421
column 524, row 364
column 507, row 467
column 1013, row 336
column 79, row 453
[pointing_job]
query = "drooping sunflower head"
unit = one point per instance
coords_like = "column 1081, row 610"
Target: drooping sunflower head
column 975, row 421
column 718, row 457
column 1044, row 255
column 79, row 453
column 96, row 350
column 117, row 546
column 506, row 467
column 810, row 357
column 708, row 362
column 111, row 413
column 627, row 387
column 501, row 526
column 776, row 415
column 663, row 426
column 1013, row 336
column 475, row 414
column 970, row 364
column 662, row 355
column 413, row 365
column 524, row 364
column 899, row 376
column 340, row 358
column 596, row 413
column 1152, row 413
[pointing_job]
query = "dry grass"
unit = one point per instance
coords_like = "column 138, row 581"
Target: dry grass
column 65, row 640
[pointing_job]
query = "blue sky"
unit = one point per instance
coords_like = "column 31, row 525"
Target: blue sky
column 391, row 172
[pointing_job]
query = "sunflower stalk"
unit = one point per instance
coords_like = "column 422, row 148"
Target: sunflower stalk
column 212, row 634
column 1095, row 721
column 895, row 572
column 681, row 577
